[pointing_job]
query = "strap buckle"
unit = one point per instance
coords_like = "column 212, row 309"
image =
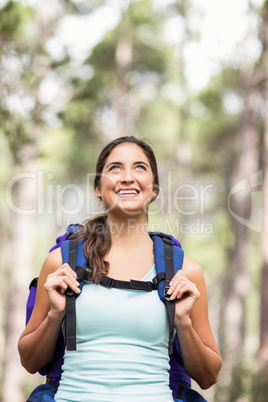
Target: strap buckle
column 166, row 295
column 83, row 274
column 88, row 274
column 69, row 292
column 155, row 282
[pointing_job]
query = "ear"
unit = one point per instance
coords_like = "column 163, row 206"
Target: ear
column 154, row 194
column 98, row 192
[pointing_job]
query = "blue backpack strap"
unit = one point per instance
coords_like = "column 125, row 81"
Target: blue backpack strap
column 159, row 241
column 177, row 371
column 73, row 254
column 168, row 260
column 177, row 374
column 53, row 370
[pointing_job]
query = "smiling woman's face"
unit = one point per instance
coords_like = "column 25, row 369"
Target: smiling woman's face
column 127, row 182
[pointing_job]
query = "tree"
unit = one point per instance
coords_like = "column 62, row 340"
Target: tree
column 128, row 68
column 263, row 349
column 24, row 64
column 233, row 140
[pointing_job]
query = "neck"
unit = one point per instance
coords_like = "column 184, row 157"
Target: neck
column 127, row 229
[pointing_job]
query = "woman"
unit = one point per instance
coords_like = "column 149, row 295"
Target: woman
column 122, row 335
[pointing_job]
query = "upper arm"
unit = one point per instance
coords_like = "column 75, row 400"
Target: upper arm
column 199, row 312
column 42, row 306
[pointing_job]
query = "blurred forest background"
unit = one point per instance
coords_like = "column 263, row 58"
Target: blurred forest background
column 61, row 102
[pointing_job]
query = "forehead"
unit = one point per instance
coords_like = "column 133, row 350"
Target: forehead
column 127, row 152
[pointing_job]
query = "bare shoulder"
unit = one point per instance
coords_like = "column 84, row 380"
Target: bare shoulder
column 192, row 270
column 53, row 261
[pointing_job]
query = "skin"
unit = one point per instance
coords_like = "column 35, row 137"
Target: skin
column 131, row 257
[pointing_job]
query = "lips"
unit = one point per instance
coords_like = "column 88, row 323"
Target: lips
column 127, row 192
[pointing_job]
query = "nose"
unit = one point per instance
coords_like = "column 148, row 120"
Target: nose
column 127, row 176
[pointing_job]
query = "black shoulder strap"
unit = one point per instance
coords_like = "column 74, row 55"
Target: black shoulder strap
column 148, row 286
column 70, row 318
column 170, row 272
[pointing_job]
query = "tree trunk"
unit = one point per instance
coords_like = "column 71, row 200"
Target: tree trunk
column 123, row 60
column 235, row 286
column 21, row 256
column 24, row 224
column 263, row 348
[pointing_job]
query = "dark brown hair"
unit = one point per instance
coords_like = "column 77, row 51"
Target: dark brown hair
column 97, row 230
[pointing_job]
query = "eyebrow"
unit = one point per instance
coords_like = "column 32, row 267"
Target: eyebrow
column 120, row 163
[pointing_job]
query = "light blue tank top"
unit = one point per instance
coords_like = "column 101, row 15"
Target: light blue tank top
column 122, row 348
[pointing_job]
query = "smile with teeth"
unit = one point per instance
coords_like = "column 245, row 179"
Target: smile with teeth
column 127, row 192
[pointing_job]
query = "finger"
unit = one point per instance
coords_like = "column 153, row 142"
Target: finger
column 179, row 291
column 56, row 282
column 190, row 291
column 180, row 276
column 183, row 287
column 66, row 270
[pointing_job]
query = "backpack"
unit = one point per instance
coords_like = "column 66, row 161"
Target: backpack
column 168, row 260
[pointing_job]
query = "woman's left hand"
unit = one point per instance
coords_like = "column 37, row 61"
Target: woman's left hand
column 184, row 293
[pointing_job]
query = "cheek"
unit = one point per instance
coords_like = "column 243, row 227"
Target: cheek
column 148, row 183
column 107, row 189
column 108, row 182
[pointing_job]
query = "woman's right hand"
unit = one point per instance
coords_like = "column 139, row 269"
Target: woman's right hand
column 38, row 340
column 56, row 285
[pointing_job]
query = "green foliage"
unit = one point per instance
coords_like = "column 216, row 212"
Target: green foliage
column 141, row 13
column 148, row 56
column 94, row 98
column 19, row 78
column 239, row 387
column 16, row 133
column 103, row 54
column 264, row 7
column 158, row 121
column 259, row 387
column 82, row 6
column 13, row 17
column 148, row 59
column 211, row 98
column 215, row 127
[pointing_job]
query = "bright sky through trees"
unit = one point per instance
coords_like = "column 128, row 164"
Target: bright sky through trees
column 222, row 27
